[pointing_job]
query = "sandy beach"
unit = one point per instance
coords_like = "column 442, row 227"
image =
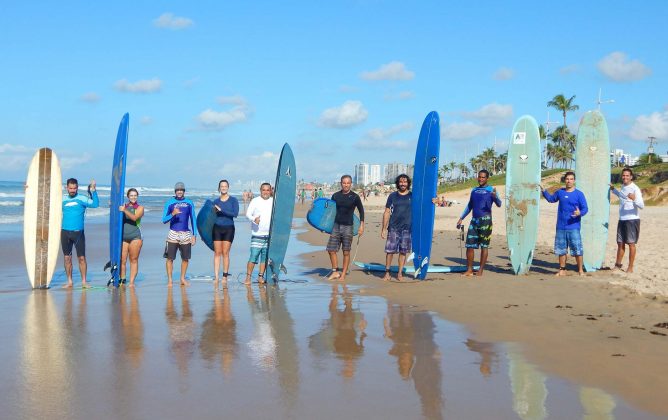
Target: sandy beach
column 606, row 329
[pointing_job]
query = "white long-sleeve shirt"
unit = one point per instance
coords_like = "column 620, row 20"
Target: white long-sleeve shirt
column 262, row 208
column 628, row 209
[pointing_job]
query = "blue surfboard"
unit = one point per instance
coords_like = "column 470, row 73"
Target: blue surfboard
column 322, row 213
column 117, row 197
column 285, row 188
column 206, row 218
column 425, row 180
column 411, row 270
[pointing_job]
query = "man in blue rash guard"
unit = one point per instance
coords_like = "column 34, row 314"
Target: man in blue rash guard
column 72, row 232
column 572, row 206
column 179, row 210
column 480, row 228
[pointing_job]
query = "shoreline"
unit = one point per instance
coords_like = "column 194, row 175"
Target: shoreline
column 596, row 330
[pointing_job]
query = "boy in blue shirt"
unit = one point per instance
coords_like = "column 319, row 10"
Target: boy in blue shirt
column 572, row 206
column 480, row 229
column 180, row 214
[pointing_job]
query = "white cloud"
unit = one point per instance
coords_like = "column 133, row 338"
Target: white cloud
column 146, row 120
column 652, row 125
column 571, row 68
column 169, row 21
column 135, row 164
column 67, row 162
column 503, row 73
column 395, row 70
column 491, row 114
column 618, row 67
column 464, row 131
column 369, row 144
column 347, row 115
column 90, row 97
column 15, row 156
column 232, row 100
column 256, row 167
column 140, row 86
column 379, row 138
column 384, row 133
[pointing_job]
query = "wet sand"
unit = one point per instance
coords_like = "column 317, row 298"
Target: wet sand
column 303, row 349
column 593, row 330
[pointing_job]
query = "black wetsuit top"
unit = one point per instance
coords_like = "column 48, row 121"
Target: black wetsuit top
column 345, row 207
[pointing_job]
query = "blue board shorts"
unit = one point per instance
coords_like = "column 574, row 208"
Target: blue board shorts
column 568, row 239
column 479, row 233
column 398, row 241
column 258, row 249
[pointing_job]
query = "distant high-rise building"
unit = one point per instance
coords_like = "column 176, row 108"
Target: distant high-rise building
column 361, row 176
column 374, row 174
column 394, row 169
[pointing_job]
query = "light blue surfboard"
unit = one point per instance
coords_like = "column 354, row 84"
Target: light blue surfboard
column 411, row 270
column 425, row 180
column 206, row 218
column 322, row 213
column 117, row 198
column 285, row 188
column 592, row 169
column 523, row 193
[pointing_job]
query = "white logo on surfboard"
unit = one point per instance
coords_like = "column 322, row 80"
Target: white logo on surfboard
column 519, row 138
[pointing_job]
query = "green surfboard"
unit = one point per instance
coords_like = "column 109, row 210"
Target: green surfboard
column 523, row 193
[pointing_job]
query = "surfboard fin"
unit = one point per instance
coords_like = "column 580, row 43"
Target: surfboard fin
column 283, row 269
column 106, row 266
column 424, row 262
column 410, row 256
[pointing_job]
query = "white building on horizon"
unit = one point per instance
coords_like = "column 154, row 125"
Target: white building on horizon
column 375, row 175
column 394, row 169
column 361, row 174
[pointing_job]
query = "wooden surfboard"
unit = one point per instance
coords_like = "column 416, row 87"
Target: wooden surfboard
column 42, row 217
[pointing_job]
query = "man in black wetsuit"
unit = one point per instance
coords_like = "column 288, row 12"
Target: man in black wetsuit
column 342, row 232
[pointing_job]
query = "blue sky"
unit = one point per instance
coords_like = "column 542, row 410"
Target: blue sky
column 214, row 88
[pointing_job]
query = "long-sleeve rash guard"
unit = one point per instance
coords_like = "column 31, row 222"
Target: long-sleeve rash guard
column 74, row 209
column 568, row 202
column 179, row 223
column 481, row 201
column 345, row 207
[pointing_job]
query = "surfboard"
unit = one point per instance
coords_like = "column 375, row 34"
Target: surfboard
column 592, row 169
column 280, row 226
column 42, row 217
column 425, row 181
column 205, row 220
column 523, row 193
column 116, row 199
column 411, row 270
column 322, row 213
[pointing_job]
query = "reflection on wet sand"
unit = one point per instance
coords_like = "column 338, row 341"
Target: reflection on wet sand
column 219, row 333
column 338, row 334
column 528, row 386
column 418, row 356
column 181, row 330
column 597, row 404
column 133, row 328
column 273, row 346
column 488, row 356
column 47, row 385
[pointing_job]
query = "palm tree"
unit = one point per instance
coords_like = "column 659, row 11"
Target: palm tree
column 442, row 172
column 564, row 105
column 550, row 152
column 500, row 162
column 488, row 156
column 463, row 170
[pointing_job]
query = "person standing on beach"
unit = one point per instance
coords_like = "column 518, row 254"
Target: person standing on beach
column 572, row 206
column 132, row 237
column 479, row 233
column 397, row 225
column 342, row 232
column 72, row 228
column 179, row 210
column 227, row 208
column 259, row 214
column 628, row 227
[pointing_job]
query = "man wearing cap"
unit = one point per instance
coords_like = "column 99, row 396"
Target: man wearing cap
column 178, row 211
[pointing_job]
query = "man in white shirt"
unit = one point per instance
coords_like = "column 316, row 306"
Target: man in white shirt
column 628, row 228
column 259, row 214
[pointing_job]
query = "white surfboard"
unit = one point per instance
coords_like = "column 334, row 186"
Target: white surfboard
column 42, row 217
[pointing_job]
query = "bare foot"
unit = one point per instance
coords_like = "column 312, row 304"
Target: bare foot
column 248, row 279
column 629, row 270
column 224, row 283
column 68, row 285
column 560, row 273
column 400, row 277
column 169, row 283
column 334, row 276
column 132, row 284
column 468, row 273
column 581, row 273
column 260, row 279
column 341, row 278
column 184, row 282
column 84, row 284
column 478, row 273
column 387, row 277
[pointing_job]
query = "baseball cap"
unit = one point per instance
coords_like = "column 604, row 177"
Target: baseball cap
column 179, row 186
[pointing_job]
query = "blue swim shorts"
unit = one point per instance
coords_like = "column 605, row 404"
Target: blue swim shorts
column 568, row 239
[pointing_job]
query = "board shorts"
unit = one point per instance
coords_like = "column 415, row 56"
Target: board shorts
column 178, row 237
column 223, row 233
column 258, row 249
column 398, row 241
column 341, row 237
column 568, row 239
column 184, row 249
column 73, row 238
column 628, row 231
column 479, row 233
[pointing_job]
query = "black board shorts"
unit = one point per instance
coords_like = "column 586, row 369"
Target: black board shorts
column 73, row 238
column 628, row 231
column 184, row 249
column 223, row 233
